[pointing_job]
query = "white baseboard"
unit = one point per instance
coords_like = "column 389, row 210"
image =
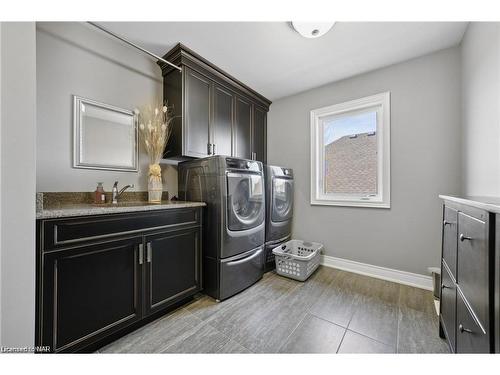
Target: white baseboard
column 389, row 274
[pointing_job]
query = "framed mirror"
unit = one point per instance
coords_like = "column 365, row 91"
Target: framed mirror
column 105, row 136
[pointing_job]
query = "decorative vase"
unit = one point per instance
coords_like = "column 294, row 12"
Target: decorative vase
column 155, row 185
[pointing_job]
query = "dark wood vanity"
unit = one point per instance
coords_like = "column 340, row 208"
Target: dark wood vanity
column 216, row 113
column 100, row 276
column 469, row 313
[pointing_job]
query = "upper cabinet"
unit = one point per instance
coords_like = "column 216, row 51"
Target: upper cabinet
column 223, row 114
column 197, row 113
column 259, row 133
column 243, row 129
column 215, row 113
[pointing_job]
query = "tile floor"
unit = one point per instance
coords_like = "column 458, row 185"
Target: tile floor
column 333, row 312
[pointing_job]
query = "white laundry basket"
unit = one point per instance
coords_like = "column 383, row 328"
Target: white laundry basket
column 297, row 259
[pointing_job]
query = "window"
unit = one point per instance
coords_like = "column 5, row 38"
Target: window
column 350, row 153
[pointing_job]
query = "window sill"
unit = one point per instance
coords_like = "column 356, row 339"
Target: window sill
column 351, row 204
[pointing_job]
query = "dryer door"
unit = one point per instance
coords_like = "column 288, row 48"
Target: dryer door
column 282, row 199
column 245, row 205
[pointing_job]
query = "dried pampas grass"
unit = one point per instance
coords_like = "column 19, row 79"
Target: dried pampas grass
column 155, row 128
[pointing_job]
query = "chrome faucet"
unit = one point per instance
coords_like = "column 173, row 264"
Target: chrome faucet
column 116, row 194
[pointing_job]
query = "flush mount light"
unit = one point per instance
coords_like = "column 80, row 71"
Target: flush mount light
column 312, row 29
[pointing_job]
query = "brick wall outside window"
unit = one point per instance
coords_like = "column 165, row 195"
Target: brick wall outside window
column 351, row 165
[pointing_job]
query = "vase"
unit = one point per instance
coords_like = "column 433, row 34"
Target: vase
column 155, row 185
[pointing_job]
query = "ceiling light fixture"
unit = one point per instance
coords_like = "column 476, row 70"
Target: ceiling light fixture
column 312, row 29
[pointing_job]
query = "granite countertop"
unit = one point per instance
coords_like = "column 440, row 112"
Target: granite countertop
column 491, row 204
column 86, row 209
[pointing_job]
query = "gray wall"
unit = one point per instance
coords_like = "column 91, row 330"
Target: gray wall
column 481, row 114
column 17, row 177
column 73, row 58
column 425, row 162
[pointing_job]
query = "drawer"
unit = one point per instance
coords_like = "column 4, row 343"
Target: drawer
column 238, row 273
column 470, row 336
column 450, row 221
column 448, row 306
column 68, row 231
column 473, row 265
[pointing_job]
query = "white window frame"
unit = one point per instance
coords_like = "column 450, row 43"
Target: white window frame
column 381, row 102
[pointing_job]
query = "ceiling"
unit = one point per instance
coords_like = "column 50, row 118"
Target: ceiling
column 274, row 60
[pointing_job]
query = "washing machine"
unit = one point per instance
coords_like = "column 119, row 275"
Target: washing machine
column 233, row 221
column 279, row 210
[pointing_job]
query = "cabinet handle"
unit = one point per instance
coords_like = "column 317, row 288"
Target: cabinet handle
column 149, row 254
column 445, row 287
column 254, row 156
column 462, row 329
column 463, row 237
column 209, row 148
column 213, row 148
column 141, row 253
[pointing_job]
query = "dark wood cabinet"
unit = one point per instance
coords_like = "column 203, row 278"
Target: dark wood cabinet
column 450, row 227
column 223, row 115
column 471, row 337
column 259, row 134
column 173, row 267
column 448, row 307
column 467, row 312
column 93, row 286
column 215, row 113
column 90, row 291
column 496, row 287
column 197, row 114
column 243, row 129
column 473, row 264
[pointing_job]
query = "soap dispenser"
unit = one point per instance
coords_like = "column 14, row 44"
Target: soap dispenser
column 114, row 193
column 100, row 196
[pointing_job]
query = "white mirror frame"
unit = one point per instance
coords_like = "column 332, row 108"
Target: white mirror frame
column 77, row 121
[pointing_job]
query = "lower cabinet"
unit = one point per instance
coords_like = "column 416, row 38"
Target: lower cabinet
column 473, row 265
column 467, row 305
column 471, row 338
column 448, row 307
column 91, row 291
column 450, row 238
column 172, row 271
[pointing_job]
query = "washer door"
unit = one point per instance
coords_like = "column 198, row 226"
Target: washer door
column 245, row 201
column 282, row 199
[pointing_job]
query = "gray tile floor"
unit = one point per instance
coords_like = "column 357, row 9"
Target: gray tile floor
column 332, row 312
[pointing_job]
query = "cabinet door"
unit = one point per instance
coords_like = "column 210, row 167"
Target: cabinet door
column 196, row 114
column 242, row 136
column 259, row 134
column 90, row 292
column 173, row 267
column 448, row 306
column 172, row 95
column 470, row 336
column 473, row 266
column 450, row 224
column 222, row 125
